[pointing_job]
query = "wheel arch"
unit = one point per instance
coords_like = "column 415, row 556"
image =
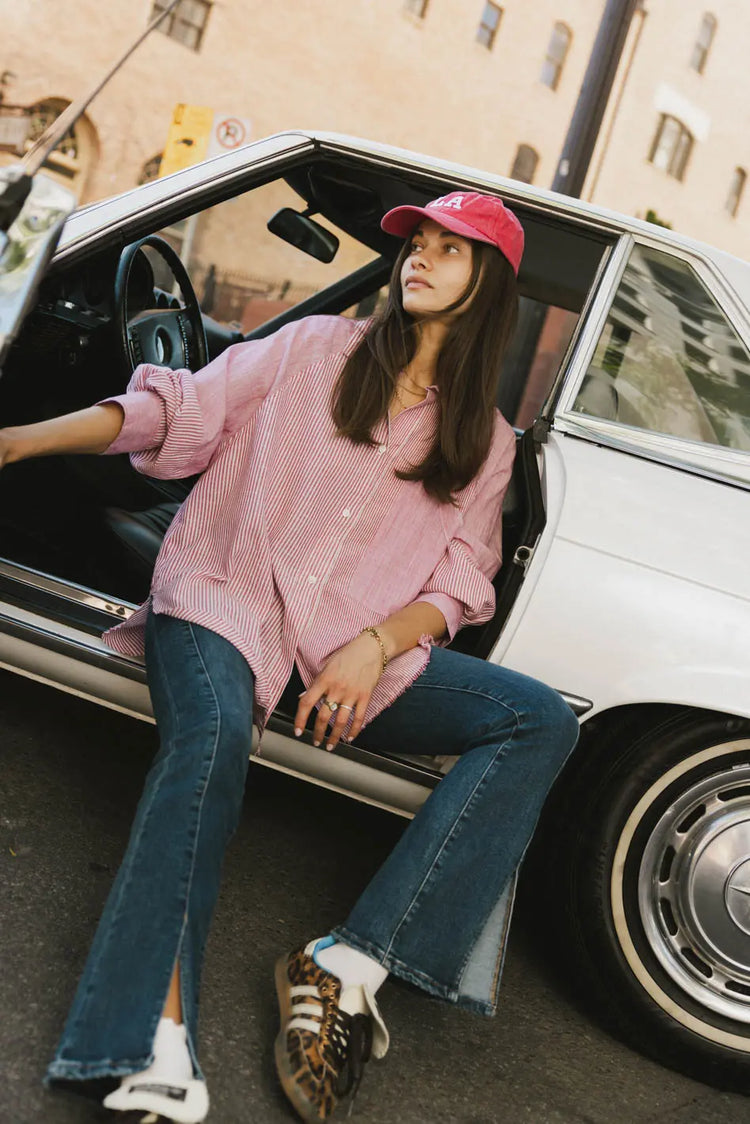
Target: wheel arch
column 606, row 731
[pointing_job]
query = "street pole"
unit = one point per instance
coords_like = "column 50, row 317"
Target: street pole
column 571, row 173
column 592, row 100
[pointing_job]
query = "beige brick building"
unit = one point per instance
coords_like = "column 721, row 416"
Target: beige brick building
column 491, row 85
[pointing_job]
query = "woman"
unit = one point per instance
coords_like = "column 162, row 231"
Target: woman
column 341, row 569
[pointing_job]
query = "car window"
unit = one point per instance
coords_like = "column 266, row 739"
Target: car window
column 668, row 360
column 244, row 275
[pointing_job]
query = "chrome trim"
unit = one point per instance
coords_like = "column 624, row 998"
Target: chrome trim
column 594, row 325
column 402, row 766
column 577, row 703
column 339, row 773
column 729, row 466
column 81, row 650
column 68, row 591
column 606, row 280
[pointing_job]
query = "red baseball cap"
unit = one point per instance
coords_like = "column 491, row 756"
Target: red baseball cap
column 485, row 218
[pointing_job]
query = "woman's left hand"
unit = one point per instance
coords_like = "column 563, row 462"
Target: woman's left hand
column 348, row 678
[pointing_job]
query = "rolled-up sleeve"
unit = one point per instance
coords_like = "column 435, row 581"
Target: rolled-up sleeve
column 460, row 586
column 175, row 420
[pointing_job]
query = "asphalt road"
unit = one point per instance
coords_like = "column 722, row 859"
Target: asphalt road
column 70, row 778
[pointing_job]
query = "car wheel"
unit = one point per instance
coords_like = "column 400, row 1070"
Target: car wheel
column 657, row 870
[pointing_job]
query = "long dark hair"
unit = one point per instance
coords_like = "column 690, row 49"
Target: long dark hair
column 468, row 372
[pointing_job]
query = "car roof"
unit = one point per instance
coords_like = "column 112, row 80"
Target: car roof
column 566, row 205
column 391, row 158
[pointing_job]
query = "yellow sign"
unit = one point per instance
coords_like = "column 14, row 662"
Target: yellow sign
column 187, row 141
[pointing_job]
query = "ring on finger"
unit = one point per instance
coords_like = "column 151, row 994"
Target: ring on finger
column 332, row 706
column 343, row 706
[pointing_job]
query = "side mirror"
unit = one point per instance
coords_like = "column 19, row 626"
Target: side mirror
column 304, row 233
column 27, row 245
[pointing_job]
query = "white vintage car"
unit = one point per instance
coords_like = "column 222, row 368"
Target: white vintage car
column 626, row 574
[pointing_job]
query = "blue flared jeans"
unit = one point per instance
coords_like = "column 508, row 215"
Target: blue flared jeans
column 435, row 913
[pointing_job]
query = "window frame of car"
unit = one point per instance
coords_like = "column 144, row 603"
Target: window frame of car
column 158, row 203
column 717, row 462
column 206, row 184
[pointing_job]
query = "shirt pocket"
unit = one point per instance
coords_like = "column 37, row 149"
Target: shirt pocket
column 402, row 554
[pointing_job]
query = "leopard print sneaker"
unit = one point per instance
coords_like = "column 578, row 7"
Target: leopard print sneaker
column 326, row 1037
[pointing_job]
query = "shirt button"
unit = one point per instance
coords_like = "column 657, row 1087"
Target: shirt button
column 312, row 579
column 381, row 448
column 346, row 513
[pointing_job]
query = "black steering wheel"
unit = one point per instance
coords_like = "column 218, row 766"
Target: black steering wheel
column 167, row 337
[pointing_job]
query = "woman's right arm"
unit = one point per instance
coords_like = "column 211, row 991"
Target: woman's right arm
column 86, row 431
column 171, row 422
column 176, row 420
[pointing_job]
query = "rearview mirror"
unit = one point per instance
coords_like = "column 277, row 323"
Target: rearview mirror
column 304, row 233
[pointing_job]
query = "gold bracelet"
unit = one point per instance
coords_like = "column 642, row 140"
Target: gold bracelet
column 374, row 632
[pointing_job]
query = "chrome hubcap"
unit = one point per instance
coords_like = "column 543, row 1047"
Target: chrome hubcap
column 694, row 892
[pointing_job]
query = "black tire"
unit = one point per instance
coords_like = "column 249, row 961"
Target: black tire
column 655, row 880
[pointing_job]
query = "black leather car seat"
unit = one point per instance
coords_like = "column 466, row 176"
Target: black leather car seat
column 141, row 533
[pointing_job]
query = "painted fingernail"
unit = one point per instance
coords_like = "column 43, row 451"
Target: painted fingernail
column 316, row 744
column 330, row 746
column 298, row 730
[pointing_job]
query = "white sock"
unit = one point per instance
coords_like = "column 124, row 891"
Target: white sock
column 353, row 968
column 171, row 1054
column 168, row 1087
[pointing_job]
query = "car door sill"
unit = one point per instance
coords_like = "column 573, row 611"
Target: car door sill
column 65, row 601
column 78, row 648
column 41, row 639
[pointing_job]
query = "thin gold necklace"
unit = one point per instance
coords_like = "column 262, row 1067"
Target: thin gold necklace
column 402, row 400
column 419, row 387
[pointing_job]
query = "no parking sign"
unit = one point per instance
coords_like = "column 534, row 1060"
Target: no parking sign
column 228, row 132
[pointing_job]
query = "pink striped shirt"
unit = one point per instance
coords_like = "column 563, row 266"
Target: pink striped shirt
column 294, row 539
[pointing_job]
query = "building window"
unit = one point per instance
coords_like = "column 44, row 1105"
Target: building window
column 672, row 146
column 556, row 54
column 417, row 8
column 736, row 189
column 77, row 151
column 703, row 43
column 489, row 24
column 186, row 23
column 524, row 165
